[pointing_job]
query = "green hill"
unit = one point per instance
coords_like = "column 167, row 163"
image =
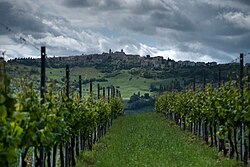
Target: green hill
column 127, row 83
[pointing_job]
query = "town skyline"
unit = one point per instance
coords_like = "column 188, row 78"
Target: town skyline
column 121, row 57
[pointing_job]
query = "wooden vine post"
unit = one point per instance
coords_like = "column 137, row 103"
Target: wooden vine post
column 42, row 91
column 242, row 147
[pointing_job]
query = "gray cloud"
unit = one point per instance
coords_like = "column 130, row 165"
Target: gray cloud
column 175, row 21
column 19, row 20
column 204, row 29
column 77, row 3
column 247, row 2
column 104, row 5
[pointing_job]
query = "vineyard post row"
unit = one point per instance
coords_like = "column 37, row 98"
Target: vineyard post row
column 35, row 130
column 202, row 121
column 42, row 92
column 112, row 93
column 243, row 157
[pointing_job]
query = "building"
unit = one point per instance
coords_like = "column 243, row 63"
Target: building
column 211, row 64
column 200, row 64
column 157, row 61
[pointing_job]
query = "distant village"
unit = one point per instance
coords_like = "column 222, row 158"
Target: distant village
column 117, row 57
column 121, row 56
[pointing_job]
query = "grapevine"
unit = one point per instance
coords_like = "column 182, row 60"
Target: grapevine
column 219, row 110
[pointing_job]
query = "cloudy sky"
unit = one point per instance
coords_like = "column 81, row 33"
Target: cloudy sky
column 197, row 30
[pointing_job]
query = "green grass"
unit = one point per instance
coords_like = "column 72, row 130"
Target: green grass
column 148, row 139
column 128, row 84
column 85, row 72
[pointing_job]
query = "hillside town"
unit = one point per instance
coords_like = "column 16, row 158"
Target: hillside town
column 144, row 61
column 120, row 57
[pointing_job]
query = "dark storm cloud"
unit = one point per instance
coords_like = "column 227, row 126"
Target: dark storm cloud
column 139, row 24
column 213, row 28
column 231, row 44
column 104, row 5
column 247, row 2
column 175, row 21
column 147, row 6
column 18, row 19
column 77, row 3
column 217, row 28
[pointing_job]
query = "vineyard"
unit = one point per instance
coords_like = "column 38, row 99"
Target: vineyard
column 219, row 115
column 51, row 127
column 111, row 83
column 52, row 124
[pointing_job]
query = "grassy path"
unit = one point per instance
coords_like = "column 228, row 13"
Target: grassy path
column 148, row 139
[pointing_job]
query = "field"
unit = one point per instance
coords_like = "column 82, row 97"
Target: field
column 149, row 139
column 127, row 83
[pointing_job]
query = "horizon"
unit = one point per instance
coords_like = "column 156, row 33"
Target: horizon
column 234, row 61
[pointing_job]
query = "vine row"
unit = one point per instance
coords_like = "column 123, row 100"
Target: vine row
column 220, row 116
column 37, row 132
